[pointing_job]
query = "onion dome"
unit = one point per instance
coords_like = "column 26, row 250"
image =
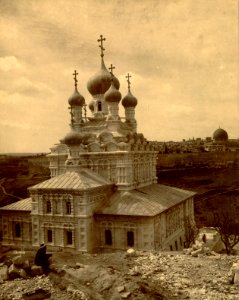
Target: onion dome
column 76, row 99
column 129, row 100
column 101, row 81
column 112, row 95
column 72, row 138
column 88, row 138
column 220, row 135
column 91, row 105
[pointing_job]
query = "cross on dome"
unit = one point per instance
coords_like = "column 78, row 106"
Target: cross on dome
column 111, row 68
column 128, row 77
column 101, row 45
column 75, row 78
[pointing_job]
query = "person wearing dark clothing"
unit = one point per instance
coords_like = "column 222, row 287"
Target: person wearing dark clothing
column 42, row 258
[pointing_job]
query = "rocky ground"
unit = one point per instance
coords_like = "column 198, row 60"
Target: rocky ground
column 140, row 275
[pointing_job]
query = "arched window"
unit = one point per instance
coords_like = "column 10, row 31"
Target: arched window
column 49, row 236
column 68, row 207
column 130, row 238
column 48, row 206
column 17, row 230
column 99, row 106
column 108, row 237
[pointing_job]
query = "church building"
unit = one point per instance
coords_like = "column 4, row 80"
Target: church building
column 103, row 192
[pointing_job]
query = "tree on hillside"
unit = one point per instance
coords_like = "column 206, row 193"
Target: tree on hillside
column 227, row 225
column 191, row 231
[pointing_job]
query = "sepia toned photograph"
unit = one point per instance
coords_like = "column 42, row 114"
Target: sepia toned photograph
column 119, row 149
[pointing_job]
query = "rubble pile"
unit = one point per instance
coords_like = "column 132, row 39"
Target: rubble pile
column 190, row 277
column 131, row 275
column 199, row 249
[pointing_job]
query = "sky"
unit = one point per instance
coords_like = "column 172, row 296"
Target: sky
column 182, row 55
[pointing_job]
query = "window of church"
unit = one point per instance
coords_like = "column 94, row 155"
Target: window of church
column 176, row 245
column 69, row 239
column 68, row 207
column 48, row 207
column 17, row 230
column 49, row 236
column 108, row 237
column 99, row 106
column 130, row 238
column 181, row 242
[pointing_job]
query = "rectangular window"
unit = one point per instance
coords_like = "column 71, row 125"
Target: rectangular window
column 176, row 245
column 130, row 238
column 171, row 248
column 17, row 230
column 69, row 237
column 108, row 237
column 49, row 236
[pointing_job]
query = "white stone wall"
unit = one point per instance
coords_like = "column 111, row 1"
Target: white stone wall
column 9, row 235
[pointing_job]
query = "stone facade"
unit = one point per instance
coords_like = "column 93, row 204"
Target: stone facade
column 103, row 191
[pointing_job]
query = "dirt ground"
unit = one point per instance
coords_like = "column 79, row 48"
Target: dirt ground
column 115, row 276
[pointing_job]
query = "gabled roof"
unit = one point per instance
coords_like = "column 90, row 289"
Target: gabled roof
column 82, row 180
column 22, row 205
column 146, row 201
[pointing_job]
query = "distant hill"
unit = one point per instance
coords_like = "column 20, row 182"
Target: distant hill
column 18, row 172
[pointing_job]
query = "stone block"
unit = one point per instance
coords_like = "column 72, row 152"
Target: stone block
column 131, row 252
column 36, row 270
column 120, row 288
column 18, row 261
column 13, row 272
column 125, row 295
column 3, row 273
column 196, row 252
column 79, row 265
column 22, row 273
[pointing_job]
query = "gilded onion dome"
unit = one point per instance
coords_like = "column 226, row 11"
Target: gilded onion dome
column 72, row 138
column 112, row 95
column 101, row 81
column 129, row 100
column 76, row 99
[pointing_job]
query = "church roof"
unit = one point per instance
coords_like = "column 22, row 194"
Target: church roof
column 21, row 205
column 82, row 180
column 146, row 201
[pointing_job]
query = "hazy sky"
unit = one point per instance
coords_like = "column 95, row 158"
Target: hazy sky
column 183, row 55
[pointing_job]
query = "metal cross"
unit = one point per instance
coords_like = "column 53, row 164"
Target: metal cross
column 101, row 44
column 75, row 78
column 111, row 68
column 128, row 77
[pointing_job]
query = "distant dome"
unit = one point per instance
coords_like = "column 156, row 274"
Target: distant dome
column 101, row 81
column 76, row 99
column 72, row 138
column 129, row 100
column 112, row 95
column 220, row 135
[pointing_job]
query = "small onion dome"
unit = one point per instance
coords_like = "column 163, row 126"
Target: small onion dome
column 72, row 138
column 91, row 105
column 88, row 138
column 129, row 100
column 112, row 95
column 100, row 82
column 220, row 135
column 76, row 99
